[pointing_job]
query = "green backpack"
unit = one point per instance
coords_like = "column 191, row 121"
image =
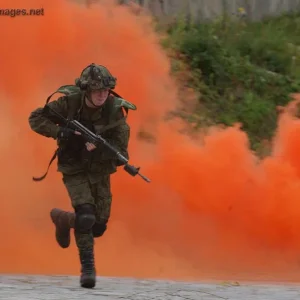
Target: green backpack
column 69, row 90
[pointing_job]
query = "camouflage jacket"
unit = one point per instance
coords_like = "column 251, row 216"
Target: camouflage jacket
column 73, row 157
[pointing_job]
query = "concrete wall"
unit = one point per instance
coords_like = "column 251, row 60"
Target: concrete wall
column 206, row 9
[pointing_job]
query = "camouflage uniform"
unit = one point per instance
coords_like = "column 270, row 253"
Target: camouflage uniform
column 86, row 175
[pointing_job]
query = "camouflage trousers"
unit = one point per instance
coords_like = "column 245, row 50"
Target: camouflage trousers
column 85, row 188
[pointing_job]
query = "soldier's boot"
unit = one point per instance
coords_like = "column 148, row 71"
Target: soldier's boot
column 88, row 271
column 63, row 221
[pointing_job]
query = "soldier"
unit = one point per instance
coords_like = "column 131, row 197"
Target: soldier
column 85, row 168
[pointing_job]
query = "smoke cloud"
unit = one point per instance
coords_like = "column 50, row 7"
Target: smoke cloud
column 212, row 210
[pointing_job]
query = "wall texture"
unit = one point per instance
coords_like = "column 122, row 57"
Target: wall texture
column 207, row 9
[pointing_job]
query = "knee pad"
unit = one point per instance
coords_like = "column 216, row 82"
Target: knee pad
column 99, row 229
column 85, row 218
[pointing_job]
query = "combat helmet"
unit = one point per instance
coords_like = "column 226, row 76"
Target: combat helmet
column 95, row 77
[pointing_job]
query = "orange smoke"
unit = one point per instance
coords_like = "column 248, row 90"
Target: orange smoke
column 213, row 210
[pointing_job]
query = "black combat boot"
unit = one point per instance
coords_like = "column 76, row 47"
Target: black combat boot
column 88, row 271
column 63, row 221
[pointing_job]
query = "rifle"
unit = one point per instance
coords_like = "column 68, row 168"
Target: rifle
column 96, row 139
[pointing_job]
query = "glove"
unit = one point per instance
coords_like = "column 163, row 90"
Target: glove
column 65, row 133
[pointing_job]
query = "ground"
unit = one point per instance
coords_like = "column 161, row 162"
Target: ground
column 66, row 287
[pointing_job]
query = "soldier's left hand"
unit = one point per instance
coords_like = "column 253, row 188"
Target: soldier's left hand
column 90, row 146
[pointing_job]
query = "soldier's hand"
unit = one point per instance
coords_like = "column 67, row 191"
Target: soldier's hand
column 90, row 146
column 65, row 133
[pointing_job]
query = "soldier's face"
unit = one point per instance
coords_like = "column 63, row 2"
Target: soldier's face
column 99, row 96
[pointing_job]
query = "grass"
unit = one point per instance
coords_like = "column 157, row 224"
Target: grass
column 241, row 71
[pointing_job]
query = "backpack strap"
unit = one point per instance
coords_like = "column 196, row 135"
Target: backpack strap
column 50, row 162
column 123, row 103
column 75, row 103
column 74, row 99
column 115, row 103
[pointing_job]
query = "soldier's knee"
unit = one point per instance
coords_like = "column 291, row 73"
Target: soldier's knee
column 99, row 228
column 85, row 218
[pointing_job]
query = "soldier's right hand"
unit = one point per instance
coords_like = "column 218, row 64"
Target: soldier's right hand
column 65, row 133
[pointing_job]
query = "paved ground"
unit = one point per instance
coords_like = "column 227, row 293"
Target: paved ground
column 61, row 288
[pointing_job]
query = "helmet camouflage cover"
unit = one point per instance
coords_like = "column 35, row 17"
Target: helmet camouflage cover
column 97, row 77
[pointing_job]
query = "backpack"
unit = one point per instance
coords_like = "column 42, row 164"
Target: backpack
column 70, row 90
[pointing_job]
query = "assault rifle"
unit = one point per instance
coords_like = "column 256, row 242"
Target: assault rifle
column 96, row 139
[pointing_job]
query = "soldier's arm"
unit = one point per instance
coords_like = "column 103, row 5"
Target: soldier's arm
column 44, row 124
column 119, row 137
